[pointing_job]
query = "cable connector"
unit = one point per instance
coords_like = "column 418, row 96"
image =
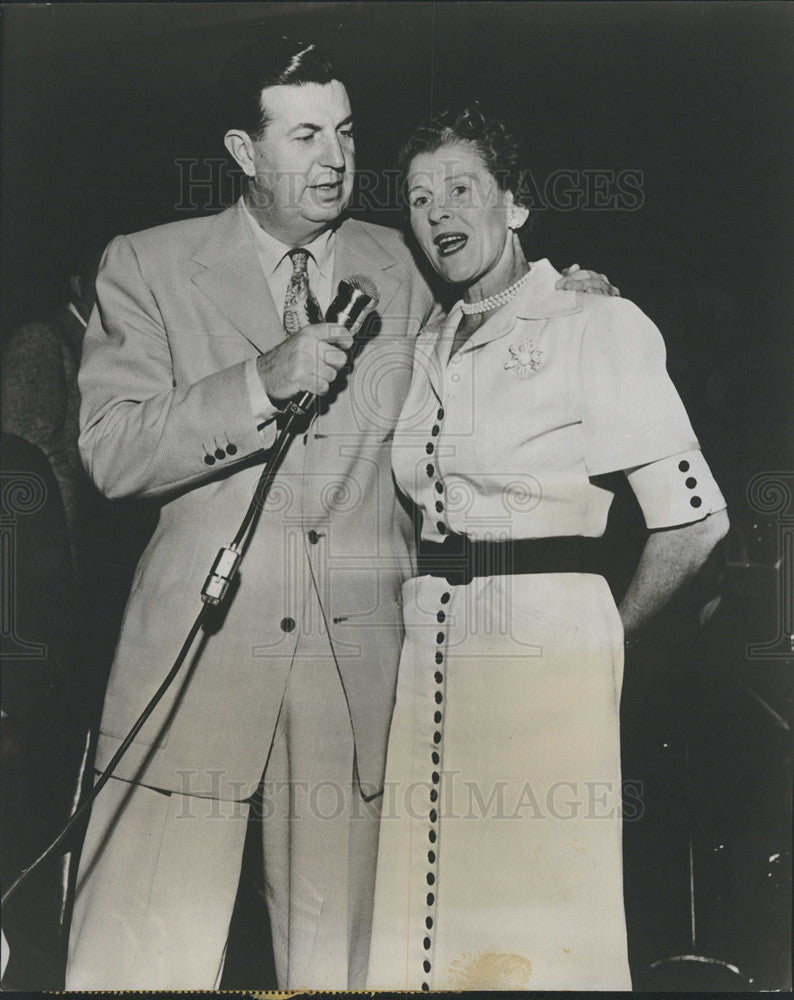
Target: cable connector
column 220, row 576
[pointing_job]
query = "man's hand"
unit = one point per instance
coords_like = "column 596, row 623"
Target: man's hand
column 577, row 280
column 308, row 361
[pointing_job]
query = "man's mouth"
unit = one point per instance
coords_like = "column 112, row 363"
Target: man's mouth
column 328, row 187
column 449, row 243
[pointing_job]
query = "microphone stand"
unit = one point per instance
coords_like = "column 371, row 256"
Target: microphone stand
column 355, row 299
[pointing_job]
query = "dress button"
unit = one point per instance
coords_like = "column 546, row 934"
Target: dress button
column 684, row 466
column 436, row 739
column 433, row 815
column 430, row 899
column 435, row 430
column 439, row 488
column 437, row 718
column 440, row 637
column 432, row 836
column 430, row 447
column 426, row 965
column 439, row 697
column 431, row 857
column 426, row 944
column 691, row 482
column 441, row 617
column 435, row 758
column 431, row 878
column 440, row 413
column 445, row 598
column 231, row 449
column 439, row 507
column 439, row 677
column 696, row 501
column 220, row 453
column 436, row 777
column 287, row 624
column 439, row 656
column 209, row 460
column 425, row 988
column 313, row 537
column 441, row 528
column 430, row 470
column 429, row 923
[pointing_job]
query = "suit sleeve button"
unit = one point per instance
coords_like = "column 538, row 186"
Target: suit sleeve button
column 287, row 624
column 231, row 449
column 209, row 460
column 313, row 537
column 220, row 453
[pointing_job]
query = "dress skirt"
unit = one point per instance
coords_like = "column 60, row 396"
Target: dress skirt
column 500, row 860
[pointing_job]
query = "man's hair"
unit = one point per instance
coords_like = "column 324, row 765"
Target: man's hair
column 266, row 62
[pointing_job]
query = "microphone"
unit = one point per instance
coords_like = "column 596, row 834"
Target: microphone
column 355, row 298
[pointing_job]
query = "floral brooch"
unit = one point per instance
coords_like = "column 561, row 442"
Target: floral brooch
column 525, row 359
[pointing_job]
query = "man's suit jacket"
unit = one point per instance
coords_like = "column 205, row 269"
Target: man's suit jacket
column 165, row 413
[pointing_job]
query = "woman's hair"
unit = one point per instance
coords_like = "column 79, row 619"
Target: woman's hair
column 492, row 138
column 266, row 62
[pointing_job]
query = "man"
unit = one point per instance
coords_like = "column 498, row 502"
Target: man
column 187, row 364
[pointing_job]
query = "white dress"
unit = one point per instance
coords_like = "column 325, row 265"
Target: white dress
column 500, row 861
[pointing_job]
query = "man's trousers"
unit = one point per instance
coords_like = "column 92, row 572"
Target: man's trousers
column 159, row 871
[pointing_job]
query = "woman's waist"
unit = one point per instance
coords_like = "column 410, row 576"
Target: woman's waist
column 460, row 558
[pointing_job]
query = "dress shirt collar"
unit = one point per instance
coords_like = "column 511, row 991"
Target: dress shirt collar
column 272, row 251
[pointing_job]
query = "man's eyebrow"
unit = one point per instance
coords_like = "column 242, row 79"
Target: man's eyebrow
column 309, row 125
column 345, row 121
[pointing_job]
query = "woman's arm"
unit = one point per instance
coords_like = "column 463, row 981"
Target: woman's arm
column 671, row 557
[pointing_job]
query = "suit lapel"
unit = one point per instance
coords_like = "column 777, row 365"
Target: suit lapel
column 231, row 277
column 359, row 253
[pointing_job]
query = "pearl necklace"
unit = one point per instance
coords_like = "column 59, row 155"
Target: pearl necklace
column 493, row 301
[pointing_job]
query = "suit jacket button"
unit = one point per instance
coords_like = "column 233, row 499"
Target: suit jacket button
column 231, row 449
column 220, row 453
column 209, row 459
column 313, row 537
column 287, row 624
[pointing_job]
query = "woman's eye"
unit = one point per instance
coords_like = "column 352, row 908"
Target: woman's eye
column 459, row 189
column 419, row 201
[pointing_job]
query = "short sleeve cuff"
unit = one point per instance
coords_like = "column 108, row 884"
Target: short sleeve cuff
column 676, row 490
column 262, row 408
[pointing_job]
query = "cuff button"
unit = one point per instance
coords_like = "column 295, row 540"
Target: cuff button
column 231, row 449
column 209, row 460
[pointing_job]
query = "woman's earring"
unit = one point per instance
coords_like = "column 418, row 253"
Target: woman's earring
column 518, row 216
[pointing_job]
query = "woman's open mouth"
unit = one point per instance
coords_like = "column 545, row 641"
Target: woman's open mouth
column 449, row 243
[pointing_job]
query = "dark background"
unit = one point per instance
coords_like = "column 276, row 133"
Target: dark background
column 100, row 101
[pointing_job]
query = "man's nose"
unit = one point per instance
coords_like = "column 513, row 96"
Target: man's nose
column 332, row 154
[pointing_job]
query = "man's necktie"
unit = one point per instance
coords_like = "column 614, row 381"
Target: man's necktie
column 300, row 305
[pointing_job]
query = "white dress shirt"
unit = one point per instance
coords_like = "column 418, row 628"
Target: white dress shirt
column 277, row 270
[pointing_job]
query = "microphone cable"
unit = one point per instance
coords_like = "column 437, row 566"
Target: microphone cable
column 355, row 300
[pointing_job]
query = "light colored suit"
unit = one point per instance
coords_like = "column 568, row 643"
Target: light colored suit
column 166, row 413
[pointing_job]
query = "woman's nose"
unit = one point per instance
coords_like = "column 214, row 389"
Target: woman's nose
column 438, row 213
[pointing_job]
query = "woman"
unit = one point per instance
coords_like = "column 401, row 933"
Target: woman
column 500, row 848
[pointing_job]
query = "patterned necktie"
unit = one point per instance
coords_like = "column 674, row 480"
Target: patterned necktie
column 300, row 305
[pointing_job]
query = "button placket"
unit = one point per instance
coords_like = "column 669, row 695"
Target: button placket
column 430, row 447
column 433, row 830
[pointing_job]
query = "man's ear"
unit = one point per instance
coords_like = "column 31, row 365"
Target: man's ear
column 241, row 150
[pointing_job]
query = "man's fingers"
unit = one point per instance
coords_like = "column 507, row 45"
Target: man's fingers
column 340, row 336
column 333, row 356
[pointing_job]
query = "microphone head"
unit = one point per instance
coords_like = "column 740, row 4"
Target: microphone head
column 363, row 284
